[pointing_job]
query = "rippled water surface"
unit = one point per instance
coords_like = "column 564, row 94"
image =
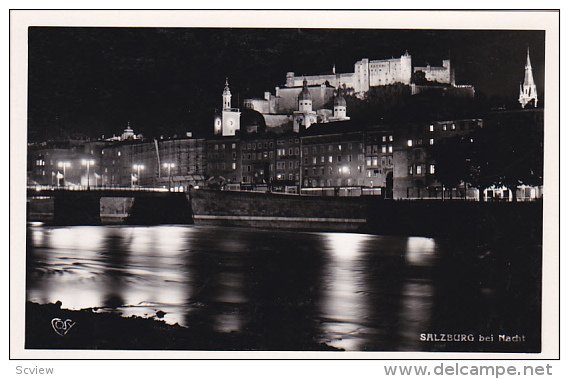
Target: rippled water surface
column 351, row 291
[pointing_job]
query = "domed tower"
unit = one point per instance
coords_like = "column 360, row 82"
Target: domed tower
column 304, row 116
column 304, row 98
column 339, row 105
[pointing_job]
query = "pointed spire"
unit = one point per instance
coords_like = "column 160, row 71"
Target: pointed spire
column 528, row 91
column 528, row 62
column 528, row 78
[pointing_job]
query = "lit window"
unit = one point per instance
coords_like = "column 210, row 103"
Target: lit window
column 432, row 169
column 313, row 160
column 444, row 127
column 384, row 138
column 409, row 142
column 383, row 148
column 391, row 138
column 330, row 159
column 374, row 161
column 431, row 128
column 390, row 148
column 339, row 147
column 453, row 127
column 410, row 170
column 418, row 169
column 431, row 141
column 119, row 153
column 233, row 166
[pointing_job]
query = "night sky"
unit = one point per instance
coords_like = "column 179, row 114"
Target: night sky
column 92, row 81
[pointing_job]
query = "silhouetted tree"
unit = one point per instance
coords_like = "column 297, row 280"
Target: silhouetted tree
column 453, row 161
column 513, row 150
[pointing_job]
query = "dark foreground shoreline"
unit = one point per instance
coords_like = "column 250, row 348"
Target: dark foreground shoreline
column 108, row 331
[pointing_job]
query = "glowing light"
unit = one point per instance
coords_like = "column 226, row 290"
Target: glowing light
column 420, row 251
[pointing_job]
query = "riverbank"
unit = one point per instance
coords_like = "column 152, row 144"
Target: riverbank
column 366, row 214
column 108, row 331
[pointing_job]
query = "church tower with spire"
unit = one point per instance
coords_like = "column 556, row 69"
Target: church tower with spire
column 528, row 91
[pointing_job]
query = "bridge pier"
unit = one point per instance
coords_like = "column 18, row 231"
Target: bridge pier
column 78, row 208
column 170, row 208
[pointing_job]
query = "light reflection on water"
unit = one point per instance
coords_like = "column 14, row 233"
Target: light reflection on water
column 352, row 291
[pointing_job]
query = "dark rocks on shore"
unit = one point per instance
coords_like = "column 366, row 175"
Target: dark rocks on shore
column 107, row 331
column 160, row 314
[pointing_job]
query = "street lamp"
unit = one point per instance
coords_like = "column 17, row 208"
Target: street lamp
column 137, row 167
column 88, row 163
column 63, row 165
column 169, row 166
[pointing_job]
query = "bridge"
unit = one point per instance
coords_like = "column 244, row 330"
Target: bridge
column 79, row 205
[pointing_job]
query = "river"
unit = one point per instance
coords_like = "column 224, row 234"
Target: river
column 350, row 291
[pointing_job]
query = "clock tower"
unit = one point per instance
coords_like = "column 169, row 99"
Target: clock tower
column 230, row 117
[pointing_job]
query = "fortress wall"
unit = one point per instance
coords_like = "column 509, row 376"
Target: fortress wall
column 436, row 74
column 276, row 120
column 334, row 80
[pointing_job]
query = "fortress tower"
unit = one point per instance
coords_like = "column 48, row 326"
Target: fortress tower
column 528, row 91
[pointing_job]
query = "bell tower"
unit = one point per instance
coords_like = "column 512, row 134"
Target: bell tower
column 226, row 96
column 230, row 117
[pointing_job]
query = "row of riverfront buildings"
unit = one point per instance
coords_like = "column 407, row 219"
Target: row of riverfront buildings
column 321, row 152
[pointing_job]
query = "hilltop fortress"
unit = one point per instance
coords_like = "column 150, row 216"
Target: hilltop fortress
column 366, row 74
column 278, row 109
